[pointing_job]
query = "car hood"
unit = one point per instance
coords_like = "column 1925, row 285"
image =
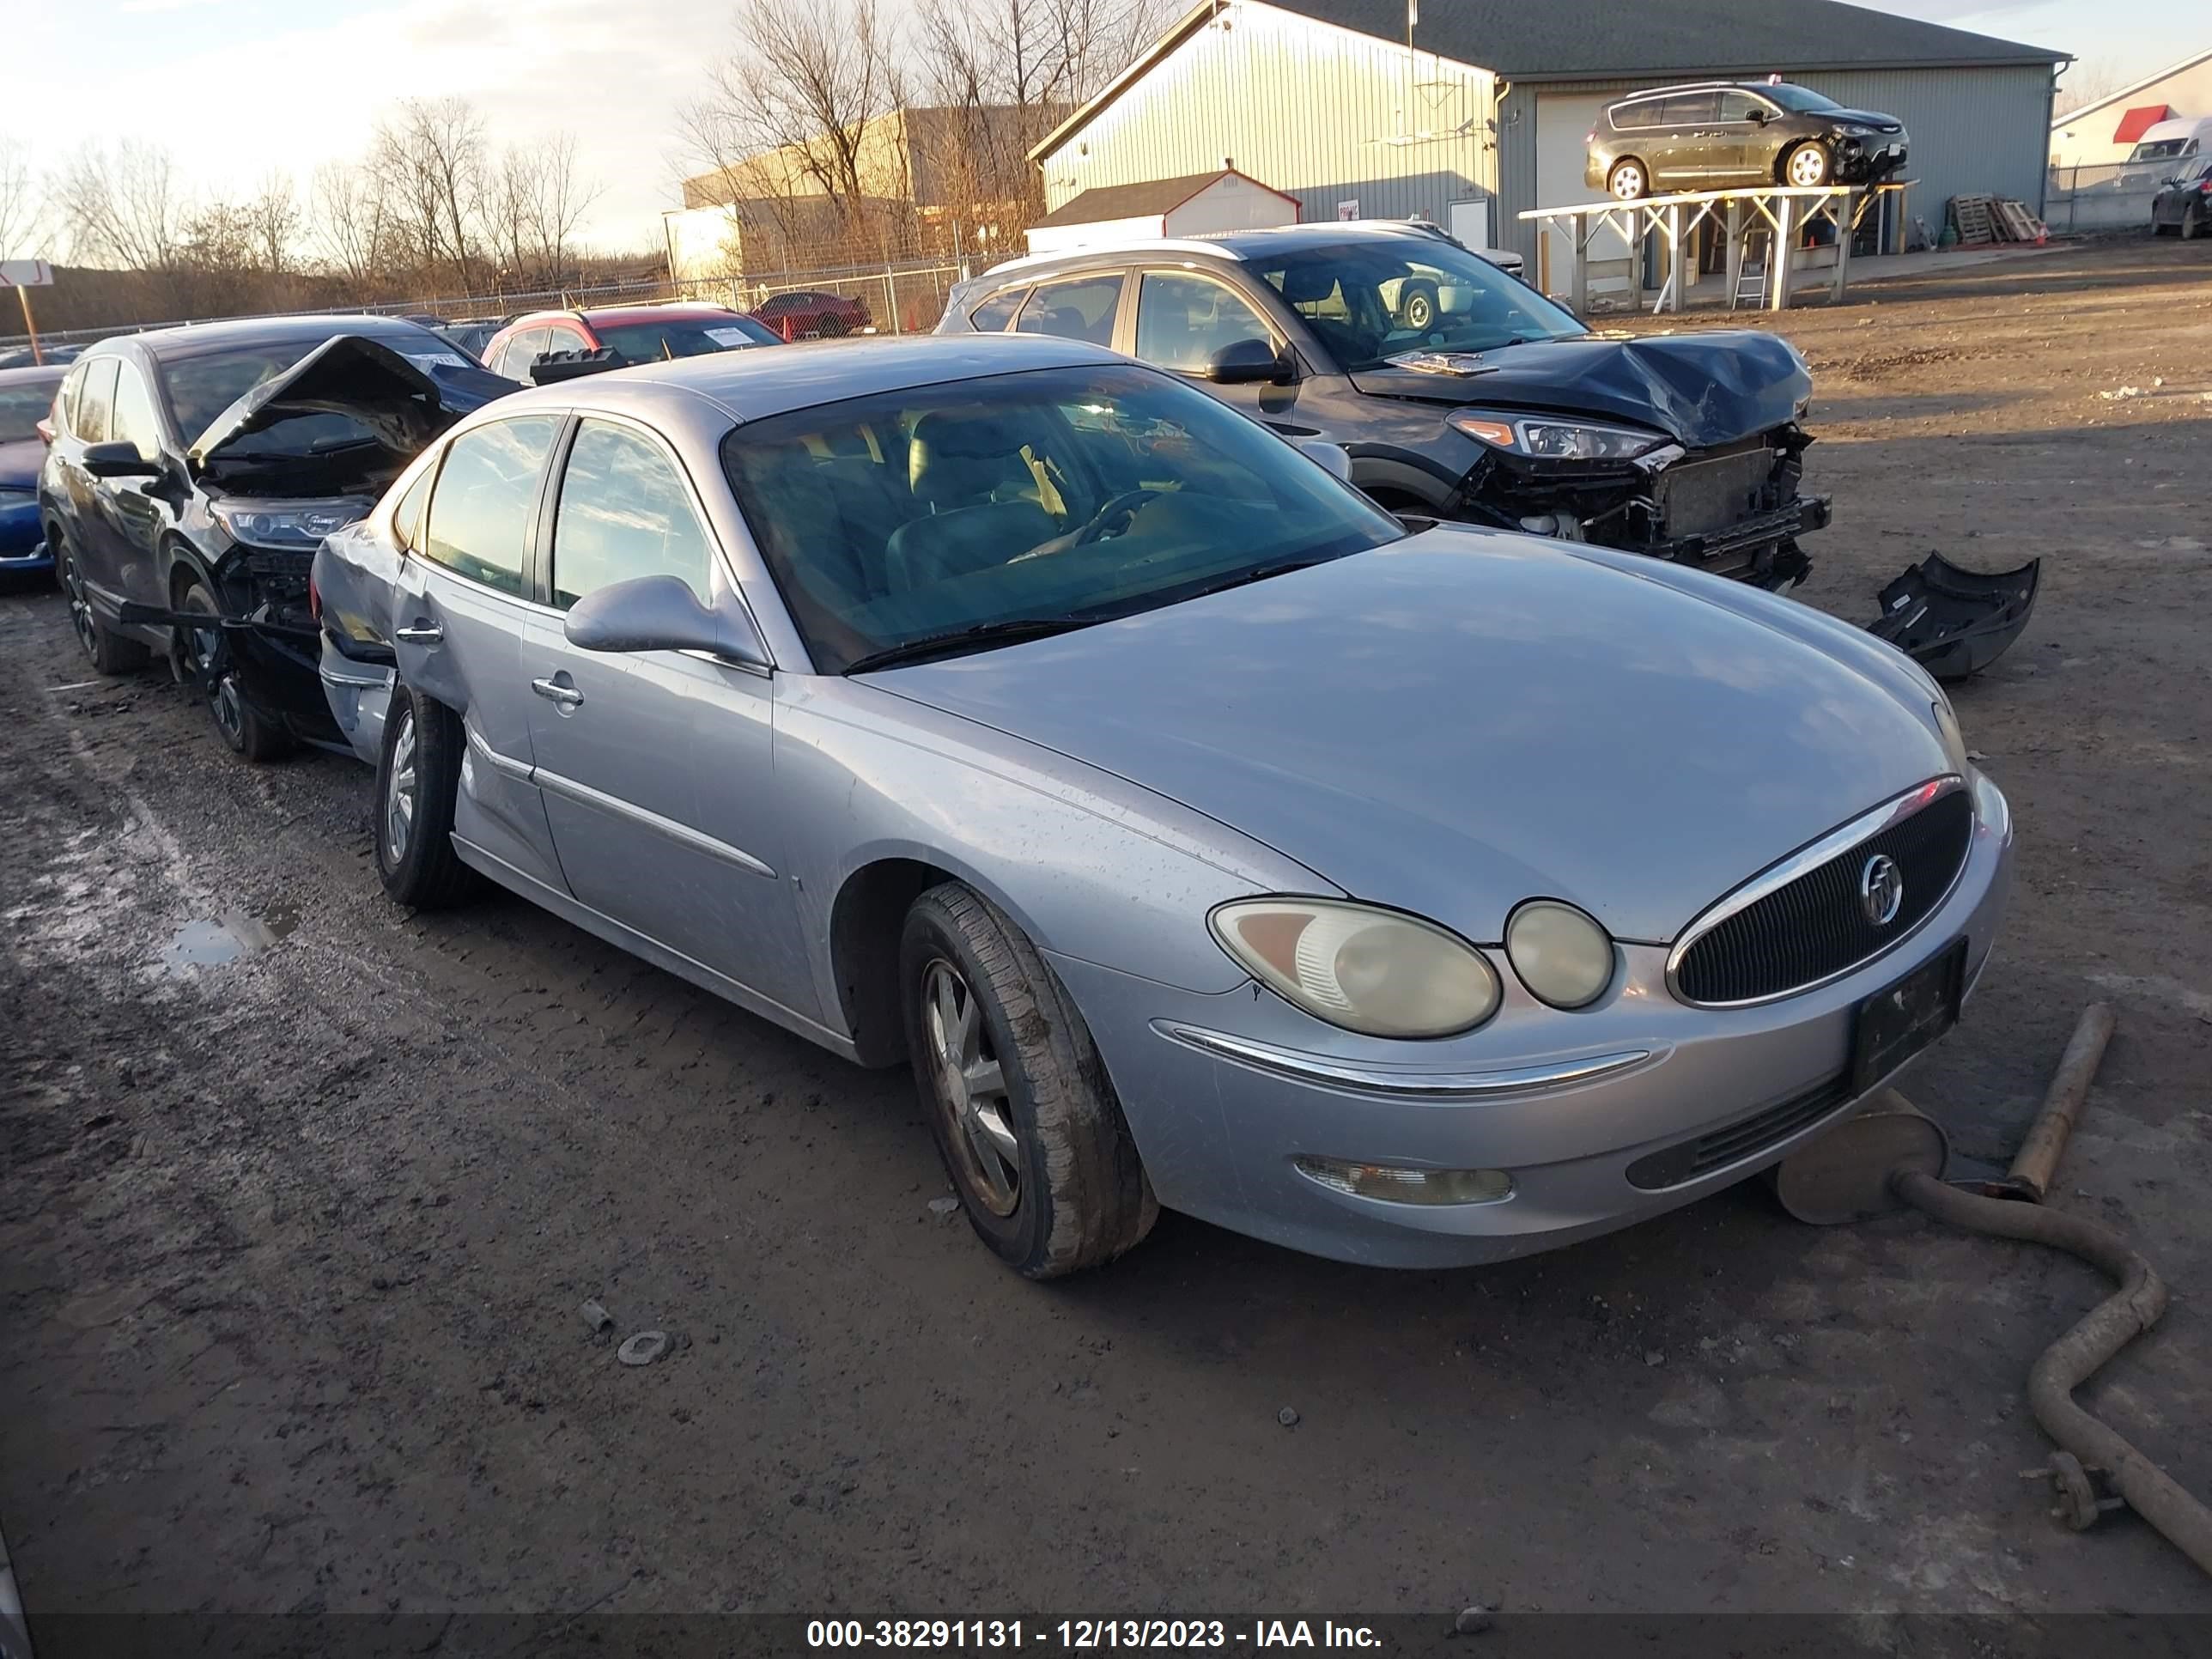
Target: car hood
column 404, row 403
column 1466, row 718
column 20, row 463
column 1701, row 390
column 1864, row 118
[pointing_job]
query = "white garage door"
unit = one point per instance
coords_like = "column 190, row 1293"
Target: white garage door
column 1563, row 121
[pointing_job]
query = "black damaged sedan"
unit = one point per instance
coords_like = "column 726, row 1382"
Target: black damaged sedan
column 1460, row 393
column 193, row 472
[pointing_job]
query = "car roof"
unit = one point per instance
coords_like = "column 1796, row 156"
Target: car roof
column 1708, row 86
column 752, row 386
column 34, row 374
column 190, row 338
column 1234, row 246
column 616, row 316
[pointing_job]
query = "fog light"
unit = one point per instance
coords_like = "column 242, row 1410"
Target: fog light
column 1394, row 1186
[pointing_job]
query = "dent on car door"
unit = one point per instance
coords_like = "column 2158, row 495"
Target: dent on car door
column 459, row 605
column 657, row 766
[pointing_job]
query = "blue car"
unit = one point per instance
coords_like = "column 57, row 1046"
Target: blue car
column 26, row 396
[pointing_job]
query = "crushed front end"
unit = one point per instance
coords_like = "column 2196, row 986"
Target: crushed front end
column 1735, row 509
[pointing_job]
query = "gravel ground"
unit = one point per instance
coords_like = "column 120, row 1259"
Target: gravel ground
column 292, row 1248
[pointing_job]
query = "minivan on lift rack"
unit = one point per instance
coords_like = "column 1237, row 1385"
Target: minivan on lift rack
column 1724, row 136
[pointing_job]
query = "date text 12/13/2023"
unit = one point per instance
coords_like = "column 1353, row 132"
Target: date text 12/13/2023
column 1083, row 1635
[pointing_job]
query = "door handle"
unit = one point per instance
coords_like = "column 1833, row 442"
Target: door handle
column 554, row 691
column 421, row 634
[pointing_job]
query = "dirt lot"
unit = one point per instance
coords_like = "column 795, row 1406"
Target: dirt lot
column 291, row 1249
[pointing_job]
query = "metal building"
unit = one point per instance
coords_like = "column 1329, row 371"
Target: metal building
column 1475, row 110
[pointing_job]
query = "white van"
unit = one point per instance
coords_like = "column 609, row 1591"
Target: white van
column 2177, row 140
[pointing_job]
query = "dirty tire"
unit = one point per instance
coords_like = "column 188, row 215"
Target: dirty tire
column 424, row 743
column 1417, row 306
column 244, row 728
column 1081, row 1196
column 1627, row 181
column 108, row 653
column 1806, row 166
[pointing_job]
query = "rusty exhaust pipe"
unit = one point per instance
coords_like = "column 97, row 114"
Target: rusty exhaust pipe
column 2087, row 1447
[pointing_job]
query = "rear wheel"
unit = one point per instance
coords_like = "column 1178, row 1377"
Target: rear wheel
column 1024, row 1114
column 107, row 653
column 1417, row 306
column 200, row 657
column 1806, row 168
column 2192, row 224
column 418, row 777
column 1626, row 181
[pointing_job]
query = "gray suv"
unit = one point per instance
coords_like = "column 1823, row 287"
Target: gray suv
column 1459, row 391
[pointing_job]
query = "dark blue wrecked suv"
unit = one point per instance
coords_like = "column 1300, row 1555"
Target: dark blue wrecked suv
column 192, row 474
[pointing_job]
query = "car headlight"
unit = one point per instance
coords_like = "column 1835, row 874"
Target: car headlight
column 1368, row 971
column 1551, row 440
column 286, row 525
column 1852, row 130
column 1562, row 955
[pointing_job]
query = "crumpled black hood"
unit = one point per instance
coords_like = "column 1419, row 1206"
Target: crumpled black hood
column 1700, row 389
column 404, row 405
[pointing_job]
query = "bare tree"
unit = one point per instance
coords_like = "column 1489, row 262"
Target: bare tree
column 788, row 121
column 561, row 200
column 274, row 212
column 432, row 166
column 124, row 209
column 22, row 217
column 354, row 229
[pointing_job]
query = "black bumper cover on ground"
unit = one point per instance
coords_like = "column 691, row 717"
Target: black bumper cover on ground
column 1954, row 623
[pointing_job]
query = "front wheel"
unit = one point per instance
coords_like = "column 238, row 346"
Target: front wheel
column 418, row 776
column 1017, row 1096
column 199, row 657
column 1417, row 308
column 1806, row 166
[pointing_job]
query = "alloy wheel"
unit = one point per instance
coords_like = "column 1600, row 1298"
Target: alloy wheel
column 969, row 1085
column 1808, row 167
column 80, row 607
column 197, row 660
column 1627, row 182
column 403, row 792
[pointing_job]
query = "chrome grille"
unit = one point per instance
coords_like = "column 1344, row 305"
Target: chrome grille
column 1815, row 926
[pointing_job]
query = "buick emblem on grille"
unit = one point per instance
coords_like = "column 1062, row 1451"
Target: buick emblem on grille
column 1881, row 890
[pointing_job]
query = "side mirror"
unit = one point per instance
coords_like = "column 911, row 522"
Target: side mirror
column 660, row 613
column 1333, row 459
column 1248, row 362
column 1761, row 116
column 118, row 460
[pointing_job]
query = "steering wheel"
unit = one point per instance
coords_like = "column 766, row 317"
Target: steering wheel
column 1117, row 510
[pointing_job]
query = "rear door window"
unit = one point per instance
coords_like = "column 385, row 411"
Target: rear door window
column 625, row 511
column 1691, row 109
column 486, row 500
column 96, row 400
column 995, row 312
column 1082, row 309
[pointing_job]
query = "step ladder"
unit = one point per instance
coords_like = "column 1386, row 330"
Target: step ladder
column 1751, row 275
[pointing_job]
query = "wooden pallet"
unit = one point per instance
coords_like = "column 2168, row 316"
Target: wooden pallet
column 1973, row 215
column 2014, row 223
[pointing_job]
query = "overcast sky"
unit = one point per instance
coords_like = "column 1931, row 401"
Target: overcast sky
column 235, row 86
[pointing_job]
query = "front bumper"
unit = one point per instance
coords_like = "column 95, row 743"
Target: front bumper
column 1862, row 160
column 1565, row 1103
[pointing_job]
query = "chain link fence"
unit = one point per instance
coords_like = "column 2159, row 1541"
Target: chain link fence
column 2113, row 197
column 897, row 298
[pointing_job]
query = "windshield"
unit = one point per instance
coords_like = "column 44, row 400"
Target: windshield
column 1803, row 100
column 23, row 407
column 1063, row 497
column 1368, row 301
column 681, row 337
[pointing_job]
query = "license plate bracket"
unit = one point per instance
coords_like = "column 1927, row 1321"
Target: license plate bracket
column 1905, row 1015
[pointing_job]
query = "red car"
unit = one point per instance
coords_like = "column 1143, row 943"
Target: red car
column 636, row 334
column 808, row 314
